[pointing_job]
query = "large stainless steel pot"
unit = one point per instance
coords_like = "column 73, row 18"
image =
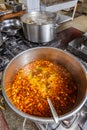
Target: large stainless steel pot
column 39, row 26
column 55, row 55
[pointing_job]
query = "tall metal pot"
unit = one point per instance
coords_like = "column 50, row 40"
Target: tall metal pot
column 39, row 26
column 55, row 55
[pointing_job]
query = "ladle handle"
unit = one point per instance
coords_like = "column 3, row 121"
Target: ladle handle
column 54, row 113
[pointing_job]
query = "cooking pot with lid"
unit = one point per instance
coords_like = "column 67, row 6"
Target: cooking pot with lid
column 54, row 55
column 40, row 26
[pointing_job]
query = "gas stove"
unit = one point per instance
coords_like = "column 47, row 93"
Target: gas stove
column 13, row 45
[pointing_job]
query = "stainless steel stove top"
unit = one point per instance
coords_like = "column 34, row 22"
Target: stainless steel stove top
column 13, row 45
column 78, row 47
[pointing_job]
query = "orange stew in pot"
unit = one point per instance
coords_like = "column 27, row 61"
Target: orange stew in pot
column 40, row 79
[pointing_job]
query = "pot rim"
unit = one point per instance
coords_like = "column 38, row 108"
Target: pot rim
column 42, row 119
column 55, row 17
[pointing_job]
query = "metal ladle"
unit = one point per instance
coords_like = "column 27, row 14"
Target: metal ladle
column 54, row 113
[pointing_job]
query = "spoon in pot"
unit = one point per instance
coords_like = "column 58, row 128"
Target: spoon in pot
column 54, row 113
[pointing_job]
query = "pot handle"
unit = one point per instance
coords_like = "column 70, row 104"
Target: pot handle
column 56, row 25
column 53, row 29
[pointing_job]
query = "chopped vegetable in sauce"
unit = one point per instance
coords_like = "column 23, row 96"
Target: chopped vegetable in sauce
column 40, row 79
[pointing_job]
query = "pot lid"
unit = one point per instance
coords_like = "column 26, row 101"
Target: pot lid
column 39, row 18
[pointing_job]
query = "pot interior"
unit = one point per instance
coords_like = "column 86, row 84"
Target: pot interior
column 54, row 55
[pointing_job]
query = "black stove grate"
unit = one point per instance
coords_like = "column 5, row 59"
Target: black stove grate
column 14, row 45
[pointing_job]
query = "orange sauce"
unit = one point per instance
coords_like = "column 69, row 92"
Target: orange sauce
column 40, row 79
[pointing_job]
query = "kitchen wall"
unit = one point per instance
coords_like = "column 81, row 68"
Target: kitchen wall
column 2, row 1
